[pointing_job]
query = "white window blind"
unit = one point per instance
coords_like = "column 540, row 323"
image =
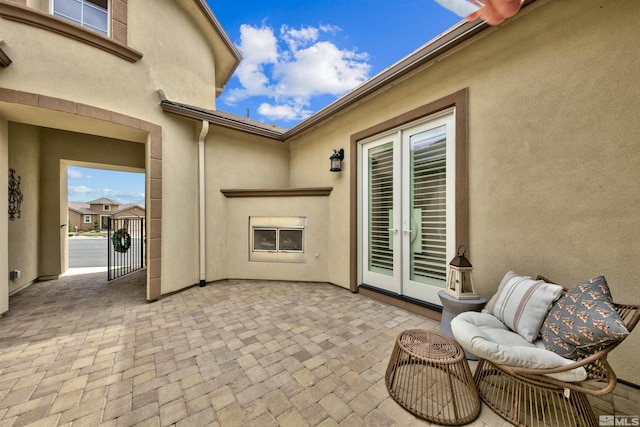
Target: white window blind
column 428, row 205
column 381, row 209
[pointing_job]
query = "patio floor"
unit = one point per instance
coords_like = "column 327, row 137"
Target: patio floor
column 85, row 352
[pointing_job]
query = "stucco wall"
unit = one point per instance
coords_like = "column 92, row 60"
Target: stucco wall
column 77, row 220
column 178, row 58
column 134, row 212
column 237, row 160
column 310, row 167
column 314, row 209
column 4, row 216
column 553, row 162
column 180, row 208
column 23, row 232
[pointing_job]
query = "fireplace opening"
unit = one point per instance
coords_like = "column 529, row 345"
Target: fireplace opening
column 277, row 239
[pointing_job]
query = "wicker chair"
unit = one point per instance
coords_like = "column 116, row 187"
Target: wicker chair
column 526, row 397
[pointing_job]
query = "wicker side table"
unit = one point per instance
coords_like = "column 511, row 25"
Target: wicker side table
column 429, row 376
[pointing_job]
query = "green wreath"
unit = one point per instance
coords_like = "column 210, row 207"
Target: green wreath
column 121, row 240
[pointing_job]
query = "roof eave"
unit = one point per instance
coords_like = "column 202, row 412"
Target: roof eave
column 233, row 50
column 194, row 113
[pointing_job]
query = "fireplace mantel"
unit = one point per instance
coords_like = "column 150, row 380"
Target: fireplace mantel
column 278, row 192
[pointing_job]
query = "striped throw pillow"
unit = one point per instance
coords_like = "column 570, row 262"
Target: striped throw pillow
column 522, row 303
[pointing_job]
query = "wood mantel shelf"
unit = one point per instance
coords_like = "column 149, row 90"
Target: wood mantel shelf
column 277, row 192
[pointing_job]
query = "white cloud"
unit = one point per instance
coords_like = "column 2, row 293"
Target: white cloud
column 283, row 112
column 328, row 28
column 80, row 189
column 259, row 45
column 76, row 174
column 295, row 38
column 292, row 69
column 320, row 69
column 82, row 193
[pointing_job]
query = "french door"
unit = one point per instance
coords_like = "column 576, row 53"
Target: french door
column 407, row 209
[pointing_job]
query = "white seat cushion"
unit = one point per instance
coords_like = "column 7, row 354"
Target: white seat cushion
column 485, row 336
column 522, row 303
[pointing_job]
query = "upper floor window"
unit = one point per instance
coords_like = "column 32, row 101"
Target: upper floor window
column 91, row 14
column 106, row 207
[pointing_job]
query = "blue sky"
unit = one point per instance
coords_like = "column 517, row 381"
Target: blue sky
column 298, row 56
column 85, row 184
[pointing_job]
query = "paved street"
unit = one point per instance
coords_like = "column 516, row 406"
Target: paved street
column 91, row 251
column 87, row 252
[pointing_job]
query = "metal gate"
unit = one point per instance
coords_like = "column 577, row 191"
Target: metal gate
column 126, row 246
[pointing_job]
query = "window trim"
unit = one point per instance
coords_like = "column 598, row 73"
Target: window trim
column 277, row 254
column 84, row 220
column 36, row 18
column 106, row 208
column 278, row 240
column 458, row 100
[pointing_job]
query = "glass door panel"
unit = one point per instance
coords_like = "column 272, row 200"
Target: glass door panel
column 427, row 207
column 379, row 233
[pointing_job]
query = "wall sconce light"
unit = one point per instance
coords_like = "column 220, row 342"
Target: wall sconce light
column 459, row 282
column 336, row 160
column 15, row 195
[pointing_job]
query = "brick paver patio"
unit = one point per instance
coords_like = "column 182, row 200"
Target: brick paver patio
column 80, row 351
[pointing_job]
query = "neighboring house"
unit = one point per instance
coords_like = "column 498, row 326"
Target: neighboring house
column 518, row 142
column 81, row 217
column 85, row 216
column 133, row 210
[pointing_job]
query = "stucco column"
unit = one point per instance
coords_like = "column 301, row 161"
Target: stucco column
column 4, row 217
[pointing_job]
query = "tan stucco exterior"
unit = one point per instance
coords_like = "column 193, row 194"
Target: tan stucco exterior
column 24, row 233
column 102, row 101
column 237, row 160
column 97, row 216
column 132, row 212
column 551, row 133
column 552, row 155
column 4, row 217
column 76, row 221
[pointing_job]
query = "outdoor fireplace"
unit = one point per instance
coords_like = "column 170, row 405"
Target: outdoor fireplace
column 277, row 239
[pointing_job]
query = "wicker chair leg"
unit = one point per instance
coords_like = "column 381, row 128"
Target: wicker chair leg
column 526, row 402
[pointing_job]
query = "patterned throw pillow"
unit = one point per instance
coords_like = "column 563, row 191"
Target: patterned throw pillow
column 522, row 303
column 583, row 321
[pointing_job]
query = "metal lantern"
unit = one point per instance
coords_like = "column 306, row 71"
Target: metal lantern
column 460, row 282
column 336, row 160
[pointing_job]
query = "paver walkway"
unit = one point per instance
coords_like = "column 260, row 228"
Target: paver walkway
column 80, row 351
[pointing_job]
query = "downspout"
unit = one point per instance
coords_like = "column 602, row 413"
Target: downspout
column 201, row 188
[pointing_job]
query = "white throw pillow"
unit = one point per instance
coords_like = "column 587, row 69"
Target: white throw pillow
column 522, row 303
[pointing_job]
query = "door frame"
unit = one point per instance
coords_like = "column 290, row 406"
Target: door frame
column 458, row 100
